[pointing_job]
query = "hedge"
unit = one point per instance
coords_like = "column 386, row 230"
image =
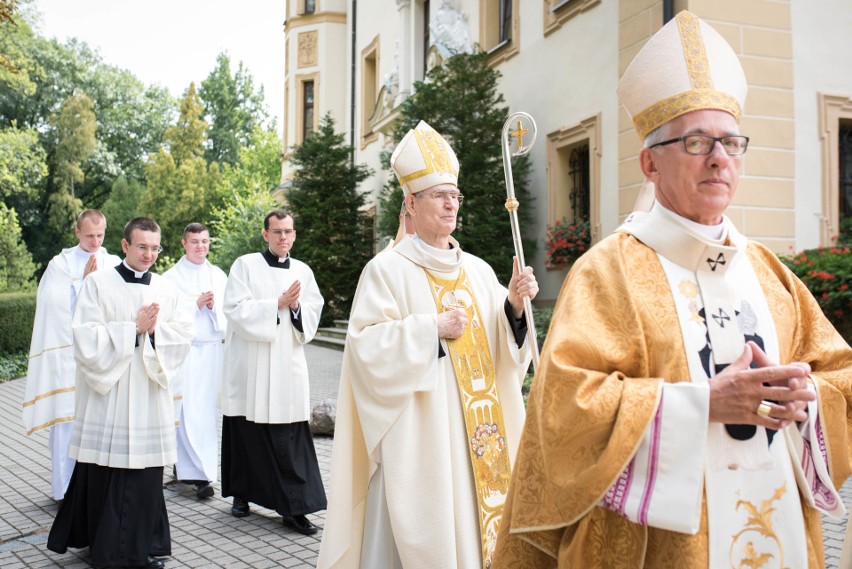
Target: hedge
column 16, row 323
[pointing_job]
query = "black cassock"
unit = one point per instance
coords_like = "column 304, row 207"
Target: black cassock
column 120, row 514
column 273, row 465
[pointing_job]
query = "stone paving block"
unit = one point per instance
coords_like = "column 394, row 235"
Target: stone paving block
column 204, row 534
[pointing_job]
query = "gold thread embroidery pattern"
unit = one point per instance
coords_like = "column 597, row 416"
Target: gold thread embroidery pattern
column 435, row 154
column 483, row 414
column 672, row 107
column 758, row 532
column 694, row 52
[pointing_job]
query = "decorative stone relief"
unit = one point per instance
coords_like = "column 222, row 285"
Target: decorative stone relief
column 448, row 30
column 307, row 49
column 390, row 80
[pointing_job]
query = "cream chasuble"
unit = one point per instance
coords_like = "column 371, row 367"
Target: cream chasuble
column 617, row 419
column 49, row 396
column 401, row 418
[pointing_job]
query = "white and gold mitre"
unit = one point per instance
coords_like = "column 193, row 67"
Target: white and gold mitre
column 424, row 159
column 686, row 66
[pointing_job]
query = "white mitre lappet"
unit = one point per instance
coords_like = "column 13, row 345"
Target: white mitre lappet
column 423, row 159
column 686, row 66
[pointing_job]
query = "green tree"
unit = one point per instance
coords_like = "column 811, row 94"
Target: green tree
column 179, row 180
column 247, row 198
column 17, row 270
column 121, row 206
column 75, row 126
column 176, row 194
column 131, row 118
column 23, row 170
column 232, row 108
column 331, row 228
column 186, row 138
column 460, row 100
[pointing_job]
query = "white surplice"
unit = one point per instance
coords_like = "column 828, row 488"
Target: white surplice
column 265, row 375
column 49, row 395
column 402, row 482
column 196, row 386
column 125, row 414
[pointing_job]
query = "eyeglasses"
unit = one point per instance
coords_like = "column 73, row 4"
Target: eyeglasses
column 452, row 196
column 153, row 250
column 698, row 144
column 280, row 232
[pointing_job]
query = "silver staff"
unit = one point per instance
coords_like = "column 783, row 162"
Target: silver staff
column 518, row 120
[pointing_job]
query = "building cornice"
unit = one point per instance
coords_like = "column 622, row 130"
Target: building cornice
column 314, row 19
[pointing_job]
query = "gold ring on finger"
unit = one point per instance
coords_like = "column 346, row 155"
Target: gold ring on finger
column 763, row 409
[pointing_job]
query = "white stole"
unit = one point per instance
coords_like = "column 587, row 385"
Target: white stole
column 753, row 506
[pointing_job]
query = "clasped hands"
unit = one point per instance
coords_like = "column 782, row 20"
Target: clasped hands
column 290, row 297
column 205, row 299
column 736, row 394
column 451, row 323
column 146, row 319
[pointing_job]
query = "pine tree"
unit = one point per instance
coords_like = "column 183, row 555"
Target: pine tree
column 331, row 230
column 121, row 206
column 186, row 139
column 247, row 198
column 459, row 99
column 179, row 181
column 233, row 109
column 17, row 269
column 75, row 126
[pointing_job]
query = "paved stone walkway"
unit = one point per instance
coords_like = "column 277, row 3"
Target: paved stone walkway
column 204, row 534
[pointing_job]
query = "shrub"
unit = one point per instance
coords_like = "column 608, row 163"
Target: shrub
column 566, row 241
column 827, row 272
column 542, row 317
column 16, row 326
column 13, row 366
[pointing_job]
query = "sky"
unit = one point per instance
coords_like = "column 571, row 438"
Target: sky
column 175, row 42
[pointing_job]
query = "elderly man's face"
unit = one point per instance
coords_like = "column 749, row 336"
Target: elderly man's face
column 434, row 212
column 699, row 188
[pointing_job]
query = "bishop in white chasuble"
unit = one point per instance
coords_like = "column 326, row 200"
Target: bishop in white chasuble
column 429, row 408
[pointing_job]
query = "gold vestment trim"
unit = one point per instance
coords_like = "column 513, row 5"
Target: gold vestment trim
column 483, row 414
column 38, row 398
column 49, row 424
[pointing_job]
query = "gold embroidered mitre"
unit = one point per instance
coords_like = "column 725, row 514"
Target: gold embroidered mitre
column 686, row 66
column 424, row 159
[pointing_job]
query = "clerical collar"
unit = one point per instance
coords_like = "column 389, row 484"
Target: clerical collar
column 133, row 276
column 275, row 261
column 715, row 233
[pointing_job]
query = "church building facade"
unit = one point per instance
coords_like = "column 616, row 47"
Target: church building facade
column 560, row 61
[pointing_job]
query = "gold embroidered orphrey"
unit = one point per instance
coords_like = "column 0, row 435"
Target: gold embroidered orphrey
column 483, row 414
column 758, row 529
